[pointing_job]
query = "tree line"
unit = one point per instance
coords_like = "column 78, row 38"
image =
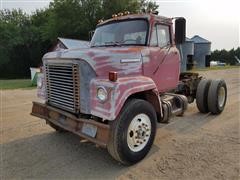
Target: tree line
column 225, row 56
column 25, row 38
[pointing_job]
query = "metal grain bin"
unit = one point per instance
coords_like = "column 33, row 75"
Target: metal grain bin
column 187, row 50
column 202, row 51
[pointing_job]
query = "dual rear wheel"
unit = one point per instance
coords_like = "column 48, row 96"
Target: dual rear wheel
column 211, row 96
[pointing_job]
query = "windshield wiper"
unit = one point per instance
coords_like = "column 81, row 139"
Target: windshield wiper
column 113, row 43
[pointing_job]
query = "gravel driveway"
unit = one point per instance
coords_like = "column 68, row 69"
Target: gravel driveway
column 195, row 146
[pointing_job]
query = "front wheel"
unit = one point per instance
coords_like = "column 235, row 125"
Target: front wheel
column 133, row 132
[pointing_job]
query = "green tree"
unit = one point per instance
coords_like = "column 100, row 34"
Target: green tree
column 225, row 56
column 14, row 35
column 24, row 38
column 117, row 6
column 75, row 18
column 71, row 18
column 148, row 5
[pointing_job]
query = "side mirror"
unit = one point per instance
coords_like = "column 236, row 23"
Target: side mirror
column 90, row 35
column 180, row 30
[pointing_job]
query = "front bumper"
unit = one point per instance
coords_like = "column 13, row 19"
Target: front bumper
column 91, row 130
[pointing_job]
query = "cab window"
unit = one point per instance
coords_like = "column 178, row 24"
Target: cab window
column 163, row 35
column 160, row 36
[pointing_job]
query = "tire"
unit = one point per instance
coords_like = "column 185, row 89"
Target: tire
column 184, row 102
column 202, row 95
column 58, row 129
column 217, row 96
column 166, row 113
column 122, row 134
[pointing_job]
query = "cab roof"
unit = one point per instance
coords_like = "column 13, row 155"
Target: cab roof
column 149, row 17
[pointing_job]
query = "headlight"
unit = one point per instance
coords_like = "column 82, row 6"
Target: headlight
column 102, row 94
column 39, row 81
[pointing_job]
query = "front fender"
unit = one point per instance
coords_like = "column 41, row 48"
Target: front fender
column 118, row 93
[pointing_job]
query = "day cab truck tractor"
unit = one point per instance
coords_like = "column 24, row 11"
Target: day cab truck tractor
column 116, row 91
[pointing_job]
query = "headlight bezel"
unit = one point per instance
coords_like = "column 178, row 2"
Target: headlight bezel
column 102, row 94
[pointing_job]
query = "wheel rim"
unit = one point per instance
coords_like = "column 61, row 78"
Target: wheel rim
column 139, row 132
column 221, row 96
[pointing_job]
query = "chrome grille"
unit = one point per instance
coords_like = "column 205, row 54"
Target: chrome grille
column 62, row 84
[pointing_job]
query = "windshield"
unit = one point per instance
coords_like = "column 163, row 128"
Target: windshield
column 131, row 32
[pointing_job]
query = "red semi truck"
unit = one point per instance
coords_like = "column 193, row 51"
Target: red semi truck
column 116, row 91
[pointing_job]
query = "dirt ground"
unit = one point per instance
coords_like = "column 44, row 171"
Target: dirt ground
column 196, row 146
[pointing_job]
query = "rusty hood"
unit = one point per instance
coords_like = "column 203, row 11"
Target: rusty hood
column 124, row 60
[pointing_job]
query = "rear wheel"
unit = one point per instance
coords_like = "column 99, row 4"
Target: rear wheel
column 217, row 96
column 202, row 95
column 133, row 132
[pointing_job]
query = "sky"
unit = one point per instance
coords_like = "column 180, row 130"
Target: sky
column 215, row 20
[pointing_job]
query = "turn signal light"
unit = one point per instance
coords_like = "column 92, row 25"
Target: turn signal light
column 113, row 76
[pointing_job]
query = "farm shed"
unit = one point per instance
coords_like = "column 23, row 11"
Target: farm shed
column 64, row 43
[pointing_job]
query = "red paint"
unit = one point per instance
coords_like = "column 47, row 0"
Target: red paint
column 158, row 71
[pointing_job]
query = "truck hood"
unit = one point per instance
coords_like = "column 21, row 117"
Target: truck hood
column 124, row 60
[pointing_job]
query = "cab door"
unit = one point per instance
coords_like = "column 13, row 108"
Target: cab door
column 163, row 59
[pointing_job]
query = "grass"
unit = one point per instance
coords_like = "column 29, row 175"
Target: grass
column 216, row 68
column 16, row 84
